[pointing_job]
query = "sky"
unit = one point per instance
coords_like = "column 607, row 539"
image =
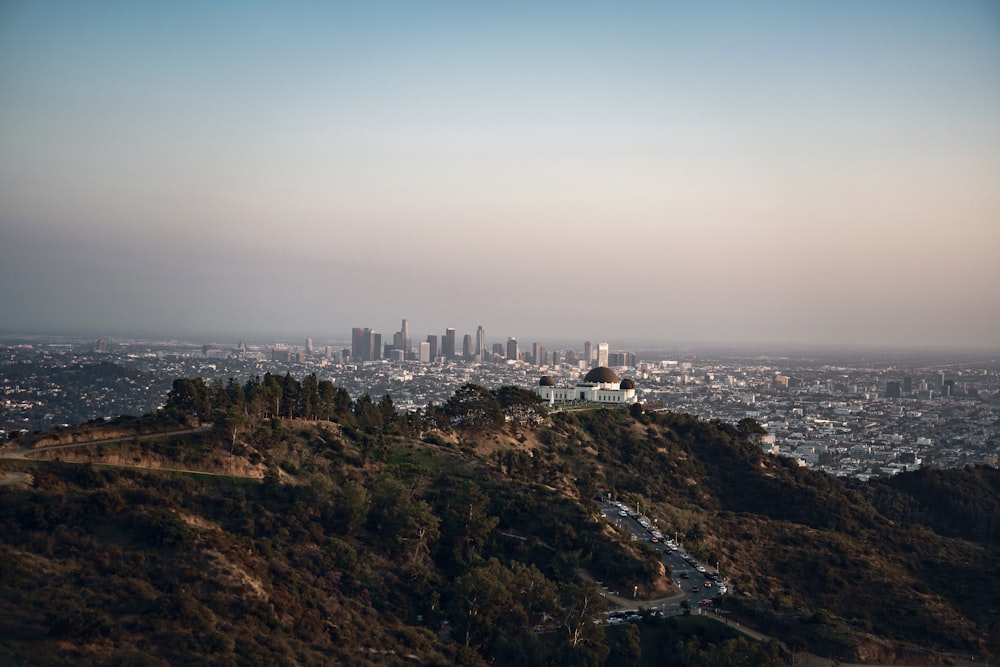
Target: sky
column 718, row 172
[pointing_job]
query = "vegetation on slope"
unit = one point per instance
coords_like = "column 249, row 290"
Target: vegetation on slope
column 456, row 535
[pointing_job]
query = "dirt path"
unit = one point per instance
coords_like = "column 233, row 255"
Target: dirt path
column 13, row 478
column 32, row 454
column 25, row 454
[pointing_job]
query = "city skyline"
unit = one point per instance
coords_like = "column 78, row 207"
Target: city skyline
column 767, row 174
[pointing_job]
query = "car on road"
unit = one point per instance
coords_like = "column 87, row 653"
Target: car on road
column 694, row 589
column 708, row 584
column 622, row 513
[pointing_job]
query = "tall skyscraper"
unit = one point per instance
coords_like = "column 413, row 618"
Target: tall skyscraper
column 432, row 340
column 480, row 343
column 401, row 339
column 366, row 345
column 512, row 352
column 588, row 352
column 425, row 352
column 309, row 345
column 602, row 354
column 467, row 347
column 448, row 344
column 357, row 344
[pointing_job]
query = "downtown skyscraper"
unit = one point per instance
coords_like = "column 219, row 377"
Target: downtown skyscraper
column 480, row 343
column 448, row 344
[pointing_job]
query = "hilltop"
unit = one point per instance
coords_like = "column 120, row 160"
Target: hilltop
column 334, row 530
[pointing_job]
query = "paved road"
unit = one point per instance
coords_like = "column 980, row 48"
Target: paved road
column 694, row 586
column 686, row 574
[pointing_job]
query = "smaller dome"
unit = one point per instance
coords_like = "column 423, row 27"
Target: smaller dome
column 601, row 374
column 628, row 384
column 546, row 381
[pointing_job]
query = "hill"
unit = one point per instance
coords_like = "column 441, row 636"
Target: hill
column 344, row 532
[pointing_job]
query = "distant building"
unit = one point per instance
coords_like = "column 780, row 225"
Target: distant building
column 366, row 345
column 467, row 347
column 538, row 354
column 892, row 389
column 401, row 339
column 425, row 352
column 480, row 343
column 622, row 359
column 588, row 353
column 448, row 344
column 512, row 352
column 600, row 385
column 357, row 343
column 432, row 341
column 602, row 355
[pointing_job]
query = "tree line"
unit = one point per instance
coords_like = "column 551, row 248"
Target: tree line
column 233, row 405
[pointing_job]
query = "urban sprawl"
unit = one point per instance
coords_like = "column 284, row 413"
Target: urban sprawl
column 865, row 416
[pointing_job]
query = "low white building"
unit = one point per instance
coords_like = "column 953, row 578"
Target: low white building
column 600, row 385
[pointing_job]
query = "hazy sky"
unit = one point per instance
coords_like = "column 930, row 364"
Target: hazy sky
column 669, row 171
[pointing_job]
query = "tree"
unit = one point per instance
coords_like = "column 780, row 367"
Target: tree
column 351, row 509
column 189, row 397
column 291, row 397
column 483, row 607
column 750, row 428
column 310, row 396
column 367, row 413
column 626, row 648
column 419, row 533
column 230, row 422
column 387, row 409
column 581, row 604
column 519, row 404
column 465, row 524
column 474, row 407
column 271, row 391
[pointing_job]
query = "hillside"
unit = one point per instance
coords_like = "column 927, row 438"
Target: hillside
column 355, row 535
